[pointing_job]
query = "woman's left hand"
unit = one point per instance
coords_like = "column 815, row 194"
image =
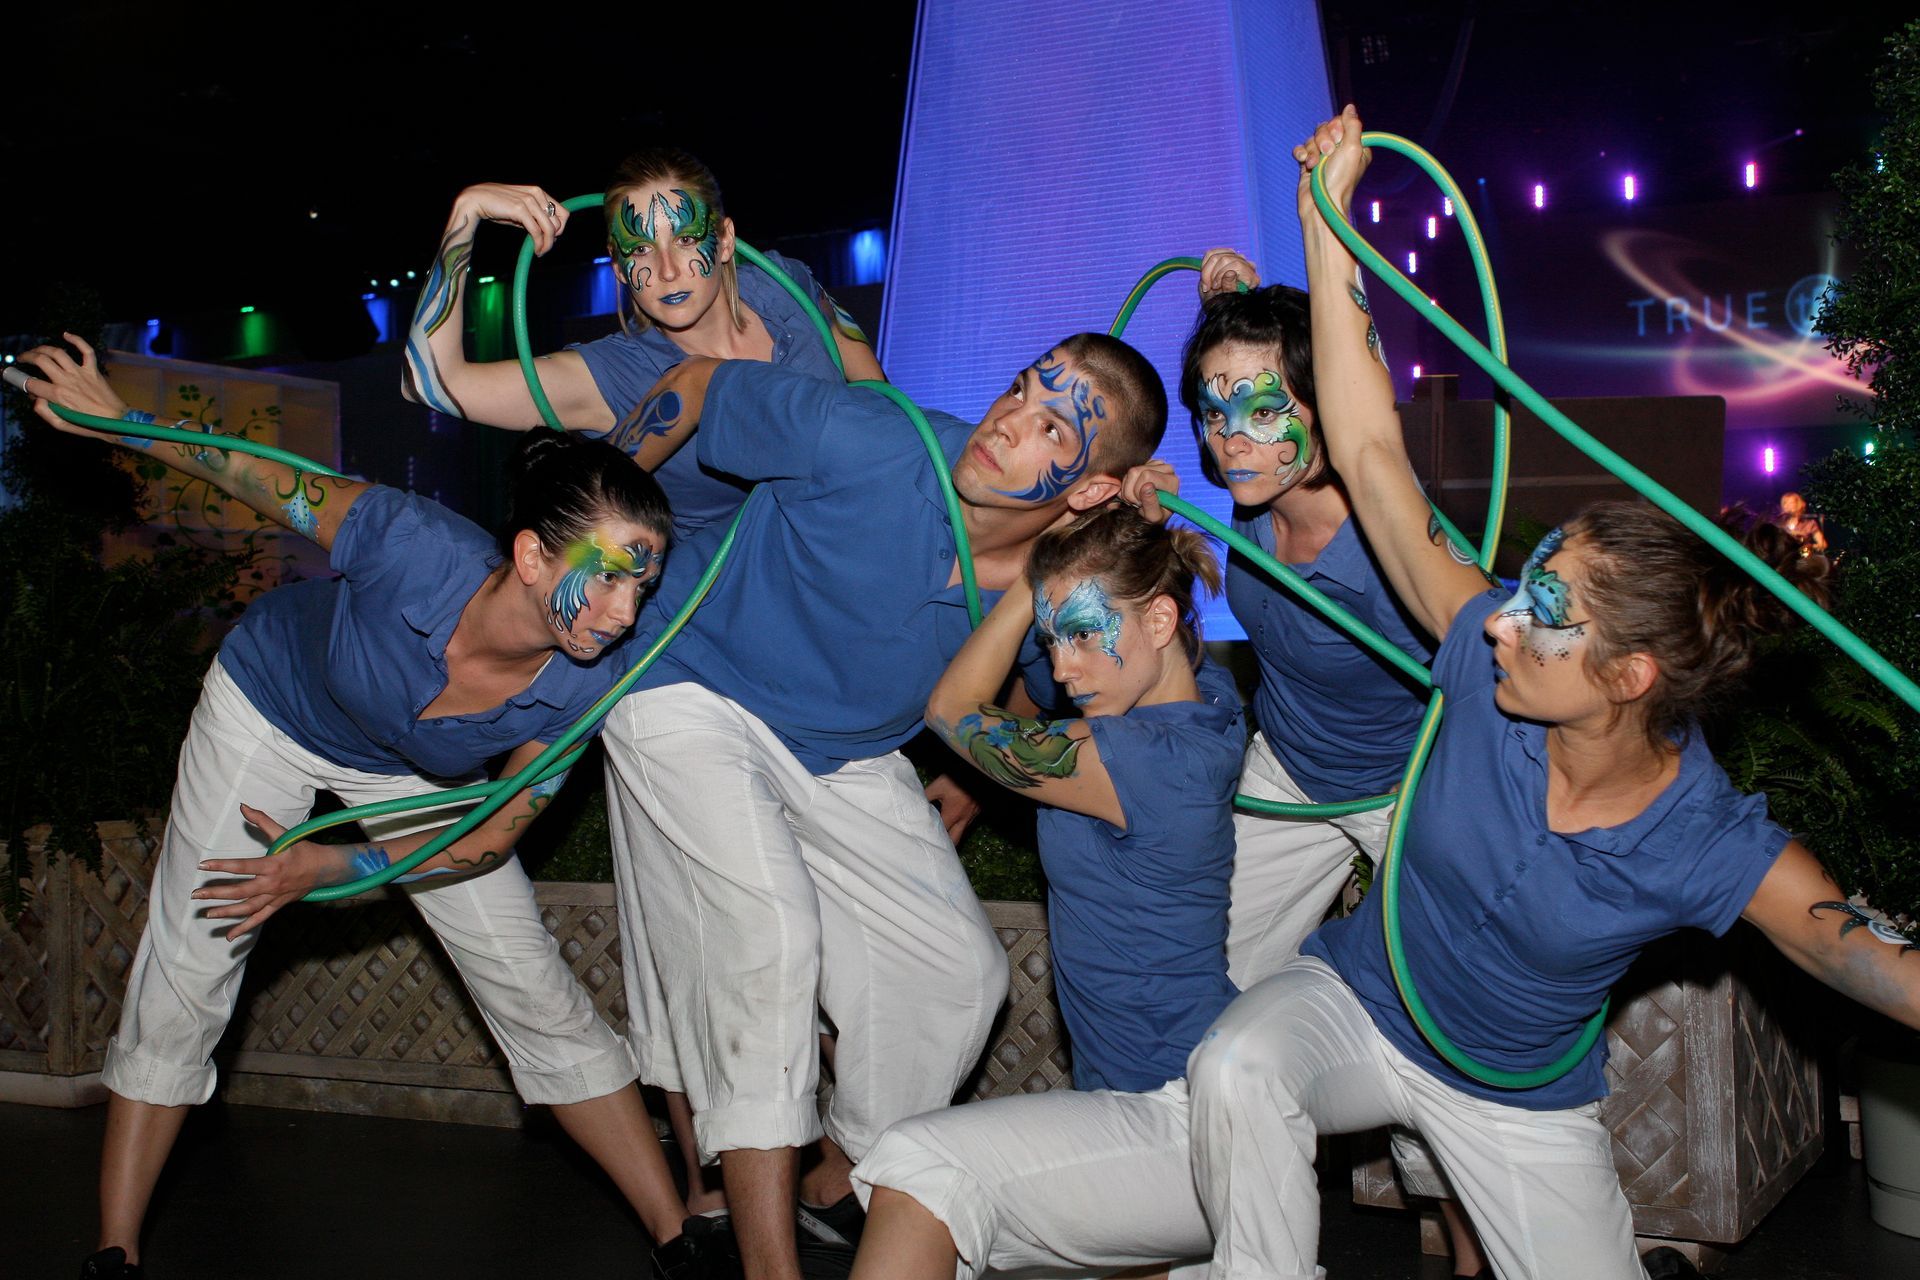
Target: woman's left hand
column 272, row 882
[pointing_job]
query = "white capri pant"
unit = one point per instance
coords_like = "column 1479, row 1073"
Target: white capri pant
column 1297, row 1057
column 1287, row 873
column 754, row 894
column 186, row 975
column 1060, row 1183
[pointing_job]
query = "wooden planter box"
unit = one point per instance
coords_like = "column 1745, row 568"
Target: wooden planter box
column 1715, row 1105
column 353, row 1007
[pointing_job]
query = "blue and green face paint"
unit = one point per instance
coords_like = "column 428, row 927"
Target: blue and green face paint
column 1071, row 398
column 1262, row 410
column 685, row 221
column 1542, row 600
column 1084, row 613
column 587, row 560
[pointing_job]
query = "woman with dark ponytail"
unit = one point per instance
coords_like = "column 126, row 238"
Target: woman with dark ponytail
column 434, row 651
column 1136, row 837
column 1570, row 814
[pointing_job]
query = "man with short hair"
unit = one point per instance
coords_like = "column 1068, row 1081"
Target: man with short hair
column 775, row 854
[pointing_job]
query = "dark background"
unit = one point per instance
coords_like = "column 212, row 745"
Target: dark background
column 170, row 156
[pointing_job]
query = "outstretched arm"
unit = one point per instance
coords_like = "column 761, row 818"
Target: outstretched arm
column 1054, row 761
column 856, row 350
column 438, row 373
column 1355, row 394
column 310, row 505
column 1804, row 913
column 272, row 883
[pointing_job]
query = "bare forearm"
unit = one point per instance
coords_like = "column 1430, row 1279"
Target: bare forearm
column 489, row 843
column 434, row 343
column 310, row 504
column 1865, row 960
column 978, row 671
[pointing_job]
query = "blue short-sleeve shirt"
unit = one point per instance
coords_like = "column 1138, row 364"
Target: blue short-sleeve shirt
column 625, row 368
column 1338, row 718
column 1515, row 933
column 345, row 666
column 833, row 618
column 1137, row 916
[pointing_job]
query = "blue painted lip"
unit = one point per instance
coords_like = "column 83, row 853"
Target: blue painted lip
column 675, row 299
column 1241, row 475
column 1082, row 699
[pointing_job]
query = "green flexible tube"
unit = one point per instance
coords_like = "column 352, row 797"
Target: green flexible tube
column 963, row 546
column 198, row 439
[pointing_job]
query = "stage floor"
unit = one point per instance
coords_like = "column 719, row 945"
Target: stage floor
column 256, row 1192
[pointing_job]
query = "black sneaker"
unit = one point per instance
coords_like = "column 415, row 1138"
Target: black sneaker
column 822, row 1261
column 839, row 1223
column 704, row 1250
column 1668, row 1263
column 110, row 1264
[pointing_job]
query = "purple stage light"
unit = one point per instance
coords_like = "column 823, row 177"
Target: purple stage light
column 1446, row 205
column 1753, row 175
column 1413, row 263
column 1766, row 459
column 1433, row 227
column 1539, row 195
column 1374, row 211
column 1630, row 187
column 1416, row 373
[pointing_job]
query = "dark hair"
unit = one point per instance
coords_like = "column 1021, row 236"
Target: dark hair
column 561, row 484
column 1275, row 318
column 652, row 166
column 1133, row 386
column 1653, row 587
column 1136, row 558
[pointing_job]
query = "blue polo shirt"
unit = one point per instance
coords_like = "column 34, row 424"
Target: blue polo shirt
column 625, row 368
column 1338, row 718
column 833, row 618
column 1515, row 933
column 1137, row 915
column 345, row 666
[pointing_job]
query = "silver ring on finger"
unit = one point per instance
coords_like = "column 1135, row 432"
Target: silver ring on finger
column 552, row 209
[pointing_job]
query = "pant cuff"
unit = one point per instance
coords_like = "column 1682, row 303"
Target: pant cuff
column 948, row 1193
column 142, row 1077
column 605, row 1072
column 756, row 1126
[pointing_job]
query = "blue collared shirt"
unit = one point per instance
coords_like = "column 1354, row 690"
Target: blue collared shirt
column 1338, row 718
column 1137, row 916
column 345, row 666
column 625, row 368
column 1515, row 933
column 833, row 618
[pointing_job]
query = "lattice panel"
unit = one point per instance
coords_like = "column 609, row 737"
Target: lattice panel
column 589, row 934
column 364, row 983
column 110, row 913
column 1646, row 1110
column 1026, row 1052
column 1776, row 1084
column 25, row 1006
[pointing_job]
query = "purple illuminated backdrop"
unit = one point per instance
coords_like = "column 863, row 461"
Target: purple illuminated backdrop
column 1053, row 153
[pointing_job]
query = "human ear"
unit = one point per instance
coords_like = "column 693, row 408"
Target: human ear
column 1093, row 491
column 1162, row 617
column 1632, row 676
column 529, row 558
column 726, row 241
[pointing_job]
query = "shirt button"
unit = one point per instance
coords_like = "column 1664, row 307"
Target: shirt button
column 1539, row 839
column 946, row 553
column 1499, row 895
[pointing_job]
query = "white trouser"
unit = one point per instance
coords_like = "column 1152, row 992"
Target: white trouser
column 753, row 893
column 1061, row 1183
column 1297, row 1057
column 186, row 975
column 1287, row 873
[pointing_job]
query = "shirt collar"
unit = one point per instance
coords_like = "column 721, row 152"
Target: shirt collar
column 1342, row 561
column 436, row 616
column 1632, row 834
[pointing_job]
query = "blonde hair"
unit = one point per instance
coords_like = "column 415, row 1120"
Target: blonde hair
column 1135, row 558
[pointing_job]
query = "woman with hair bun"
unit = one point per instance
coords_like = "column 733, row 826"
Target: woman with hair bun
column 434, row 651
column 683, row 293
column 1136, row 837
column 1569, row 815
